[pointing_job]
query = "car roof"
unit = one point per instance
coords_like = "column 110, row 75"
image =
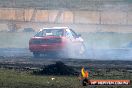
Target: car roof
column 54, row 28
column 61, row 27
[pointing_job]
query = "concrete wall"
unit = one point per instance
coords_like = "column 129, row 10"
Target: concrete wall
column 90, row 21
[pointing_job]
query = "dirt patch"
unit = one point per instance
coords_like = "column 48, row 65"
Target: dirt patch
column 59, row 68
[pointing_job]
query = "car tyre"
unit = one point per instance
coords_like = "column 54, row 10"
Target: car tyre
column 36, row 54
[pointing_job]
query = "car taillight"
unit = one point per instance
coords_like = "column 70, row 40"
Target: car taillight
column 46, row 41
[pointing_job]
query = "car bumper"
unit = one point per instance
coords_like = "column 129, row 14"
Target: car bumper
column 46, row 48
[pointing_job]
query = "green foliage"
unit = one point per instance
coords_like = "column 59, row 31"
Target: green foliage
column 97, row 70
column 22, row 79
column 15, row 79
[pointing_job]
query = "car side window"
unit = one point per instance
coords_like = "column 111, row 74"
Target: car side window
column 69, row 34
column 73, row 33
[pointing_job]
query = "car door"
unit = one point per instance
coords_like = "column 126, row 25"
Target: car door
column 77, row 38
column 78, row 43
column 73, row 38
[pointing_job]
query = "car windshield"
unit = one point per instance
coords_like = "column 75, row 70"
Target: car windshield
column 50, row 32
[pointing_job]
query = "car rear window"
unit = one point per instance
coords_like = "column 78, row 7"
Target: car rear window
column 50, row 32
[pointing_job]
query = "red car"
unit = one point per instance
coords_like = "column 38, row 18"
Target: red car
column 60, row 41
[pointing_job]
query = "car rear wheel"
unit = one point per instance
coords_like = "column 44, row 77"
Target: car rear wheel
column 67, row 53
column 36, row 54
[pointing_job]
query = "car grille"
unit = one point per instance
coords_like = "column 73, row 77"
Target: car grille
column 46, row 41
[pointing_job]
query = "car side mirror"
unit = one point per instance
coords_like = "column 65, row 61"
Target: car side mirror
column 79, row 35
